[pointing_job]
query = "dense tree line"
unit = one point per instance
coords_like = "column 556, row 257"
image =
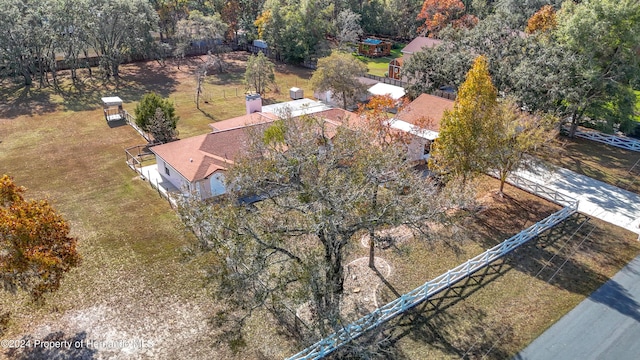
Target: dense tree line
column 580, row 61
column 37, row 33
column 41, row 33
column 577, row 60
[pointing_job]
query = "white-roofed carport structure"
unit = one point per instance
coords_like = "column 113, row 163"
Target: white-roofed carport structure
column 112, row 108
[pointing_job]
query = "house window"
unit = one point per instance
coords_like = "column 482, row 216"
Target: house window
column 166, row 170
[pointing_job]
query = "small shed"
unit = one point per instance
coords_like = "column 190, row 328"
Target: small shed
column 394, row 68
column 112, row 107
column 374, row 47
column 296, row 93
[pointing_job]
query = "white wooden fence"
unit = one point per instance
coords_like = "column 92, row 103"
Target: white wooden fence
column 617, row 141
column 131, row 120
column 540, row 191
column 417, row 296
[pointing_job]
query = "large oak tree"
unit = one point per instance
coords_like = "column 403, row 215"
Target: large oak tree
column 322, row 188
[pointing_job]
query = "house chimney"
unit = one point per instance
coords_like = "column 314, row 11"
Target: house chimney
column 254, row 103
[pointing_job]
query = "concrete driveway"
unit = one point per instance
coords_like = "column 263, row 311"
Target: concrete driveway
column 607, row 324
column 597, row 199
column 604, row 326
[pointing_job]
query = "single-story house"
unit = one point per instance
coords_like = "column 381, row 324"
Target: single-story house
column 374, row 47
column 198, row 164
column 421, row 118
column 417, row 44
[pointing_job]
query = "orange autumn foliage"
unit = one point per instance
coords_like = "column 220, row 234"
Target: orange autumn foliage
column 379, row 120
column 35, row 247
column 543, row 20
column 437, row 14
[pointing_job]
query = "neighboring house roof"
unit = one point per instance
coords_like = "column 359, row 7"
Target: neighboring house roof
column 396, row 92
column 420, row 42
column 397, row 61
column 425, row 105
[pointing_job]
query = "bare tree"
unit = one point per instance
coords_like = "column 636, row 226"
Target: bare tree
column 260, row 73
column 348, row 27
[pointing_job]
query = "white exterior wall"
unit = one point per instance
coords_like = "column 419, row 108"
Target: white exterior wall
column 325, row 96
column 174, row 177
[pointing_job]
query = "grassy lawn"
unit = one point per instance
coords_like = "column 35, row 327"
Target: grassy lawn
column 380, row 66
column 223, row 94
column 499, row 311
column 600, row 161
column 135, row 283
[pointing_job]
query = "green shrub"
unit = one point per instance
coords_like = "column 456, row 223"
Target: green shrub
column 146, row 110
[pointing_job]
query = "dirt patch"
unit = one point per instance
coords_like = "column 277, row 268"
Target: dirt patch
column 360, row 287
column 389, row 237
column 164, row 328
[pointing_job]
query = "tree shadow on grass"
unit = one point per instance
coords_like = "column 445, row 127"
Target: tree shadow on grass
column 85, row 94
column 430, row 323
column 24, row 100
column 72, row 348
column 494, row 225
column 551, row 259
column 136, row 79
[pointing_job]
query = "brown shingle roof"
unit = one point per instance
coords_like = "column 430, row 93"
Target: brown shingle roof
column 197, row 157
column 341, row 117
column 420, row 42
column 428, row 106
column 240, row 121
column 187, row 159
column 398, row 61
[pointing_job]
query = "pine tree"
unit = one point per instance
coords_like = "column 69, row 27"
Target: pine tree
column 147, row 107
